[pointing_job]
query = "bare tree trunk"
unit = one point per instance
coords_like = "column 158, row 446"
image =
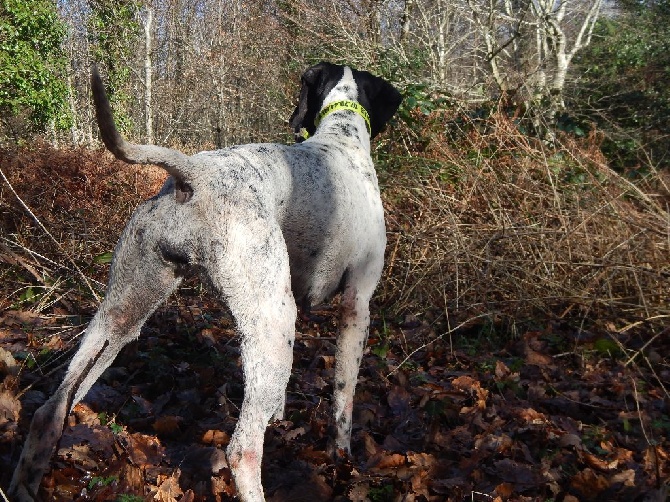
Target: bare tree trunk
column 404, row 21
column 148, row 109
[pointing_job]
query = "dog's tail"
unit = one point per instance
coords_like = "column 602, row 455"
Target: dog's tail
column 176, row 163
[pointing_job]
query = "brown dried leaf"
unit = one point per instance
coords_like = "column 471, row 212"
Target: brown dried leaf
column 516, row 472
column 359, row 492
column 626, row 477
column 144, row 450
column 169, row 490
column 392, row 460
column 589, row 483
column 8, row 365
column 80, row 454
column 99, row 438
column 10, row 407
column 398, row 399
column 532, row 417
column 423, row 460
column 420, row 484
column 501, row 371
column 223, row 484
column 537, row 358
column 505, row 490
column 468, row 384
column 85, row 415
column 599, row 463
column 168, row 425
column 371, row 446
column 215, row 437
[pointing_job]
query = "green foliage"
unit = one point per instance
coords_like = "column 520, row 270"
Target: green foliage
column 28, row 295
column 624, row 89
column 418, row 97
column 32, row 63
column 381, row 494
column 101, row 481
column 607, row 347
column 124, row 497
column 104, row 258
column 110, row 422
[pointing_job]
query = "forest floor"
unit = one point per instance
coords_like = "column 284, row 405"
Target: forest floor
column 553, row 413
column 547, row 416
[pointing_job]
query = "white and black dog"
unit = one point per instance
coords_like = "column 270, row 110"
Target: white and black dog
column 267, row 226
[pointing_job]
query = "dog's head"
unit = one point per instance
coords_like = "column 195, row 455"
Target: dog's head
column 379, row 98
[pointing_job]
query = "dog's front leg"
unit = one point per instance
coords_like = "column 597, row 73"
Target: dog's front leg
column 354, row 328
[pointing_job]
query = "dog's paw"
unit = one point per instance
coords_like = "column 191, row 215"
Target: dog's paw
column 337, row 453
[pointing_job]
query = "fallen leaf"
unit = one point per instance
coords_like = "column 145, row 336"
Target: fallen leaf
column 99, row 438
column 468, row 384
column 10, row 407
column 419, row 484
column 169, row 490
column 501, row 370
column 532, row 417
column 398, row 399
column 144, row 450
column 393, row 460
column 537, row 358
column 599, row 463
column 504, row 490
column 626, row 477
column 168, row 425
column 516, row 472
column 223, row 484
column 423, row 460
column 8, row 365
column 359, row 493
column 79, row 454
column 588, row 483
column 215, row 437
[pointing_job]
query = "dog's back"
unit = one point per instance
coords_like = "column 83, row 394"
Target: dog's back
column 325, row 199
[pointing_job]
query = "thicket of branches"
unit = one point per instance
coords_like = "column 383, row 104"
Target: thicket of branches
column 194, row 72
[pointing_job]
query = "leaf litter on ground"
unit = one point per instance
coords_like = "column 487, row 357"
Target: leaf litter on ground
column 516, row 422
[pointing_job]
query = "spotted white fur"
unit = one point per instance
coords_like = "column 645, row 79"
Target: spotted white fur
column 267, row 226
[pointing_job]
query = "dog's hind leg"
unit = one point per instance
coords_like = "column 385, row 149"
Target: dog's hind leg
column 255, row 282
column 139, row 280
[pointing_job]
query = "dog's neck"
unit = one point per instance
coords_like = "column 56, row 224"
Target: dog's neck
column 343, row 99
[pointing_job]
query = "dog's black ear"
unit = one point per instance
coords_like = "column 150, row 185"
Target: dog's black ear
column 317, row 82
column 378, row 97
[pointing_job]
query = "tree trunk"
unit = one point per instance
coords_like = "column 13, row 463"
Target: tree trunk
column 148, row 110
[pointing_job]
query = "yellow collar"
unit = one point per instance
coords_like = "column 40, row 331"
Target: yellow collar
column 342, row 105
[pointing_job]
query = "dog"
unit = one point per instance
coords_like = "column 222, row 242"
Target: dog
column 268, row 227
